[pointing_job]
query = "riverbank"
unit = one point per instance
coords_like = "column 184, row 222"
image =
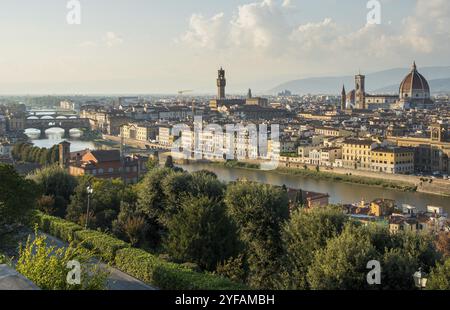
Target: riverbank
column 329, row 176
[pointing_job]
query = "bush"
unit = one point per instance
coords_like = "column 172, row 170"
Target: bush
column 57, row 227
column 155, row 271
column 46, row 266
column 100, row 243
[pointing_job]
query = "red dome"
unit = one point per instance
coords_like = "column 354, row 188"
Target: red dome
column 414, row 85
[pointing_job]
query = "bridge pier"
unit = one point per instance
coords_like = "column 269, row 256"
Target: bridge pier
column 66, row 133
column 42, row 135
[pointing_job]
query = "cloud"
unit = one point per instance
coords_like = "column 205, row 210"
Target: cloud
column 205, row 32
column 111, row 39
column 262, row 27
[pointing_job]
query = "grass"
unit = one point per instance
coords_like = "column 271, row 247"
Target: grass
column 329, row 176
column 348, row 179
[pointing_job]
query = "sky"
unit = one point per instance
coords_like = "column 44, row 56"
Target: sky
column 162, row 46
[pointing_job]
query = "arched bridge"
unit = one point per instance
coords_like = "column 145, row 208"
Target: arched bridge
column 66, row 124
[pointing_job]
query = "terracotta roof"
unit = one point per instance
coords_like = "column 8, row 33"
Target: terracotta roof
column 414, row 81
column 105, row 156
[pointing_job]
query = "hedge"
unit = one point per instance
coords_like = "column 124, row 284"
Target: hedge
column 155, row 271
column 57, row 227
column 136, row 262
column 100, row 243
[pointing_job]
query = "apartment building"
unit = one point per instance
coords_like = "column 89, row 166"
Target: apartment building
column 356, row 154
column 392, row 160
column 139, row 131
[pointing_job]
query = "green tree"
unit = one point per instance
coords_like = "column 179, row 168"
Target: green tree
column 152, row 163
column 104, row 202
column 306, row 232
column 439, row 278
column 206, row 183
column 169, row 162
column 397, row 270
column 201, row 232
column 58, row 183
column 130, row 225
column 341, row 265
column 150, row 195
column 17, row 196
column 259, row 211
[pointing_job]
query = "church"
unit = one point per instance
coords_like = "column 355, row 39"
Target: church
column 414, row 92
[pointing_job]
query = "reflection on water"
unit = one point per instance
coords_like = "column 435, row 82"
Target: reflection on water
column 339, row 192
column 55, row 136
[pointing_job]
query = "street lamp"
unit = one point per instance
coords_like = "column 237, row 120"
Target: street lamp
column 420, row 279
column 89, row 190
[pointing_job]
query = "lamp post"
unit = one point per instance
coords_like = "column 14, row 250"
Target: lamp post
column 89, row 190
column 420, row 279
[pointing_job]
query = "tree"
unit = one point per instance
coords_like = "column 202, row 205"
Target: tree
column 150, row 195
column 104, row 201
column 58, row 183
column 152, row 163
column 397, row 270
column 259, row 211
column 341, row 265
column 169, row 162
column 17, row 197
column 201, row 232
column 206, row 183
column 306, row 232
column 443, row 243
column 439, row 278
column 130, row 225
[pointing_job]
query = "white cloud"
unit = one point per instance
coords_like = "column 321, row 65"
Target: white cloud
column 206, row 32
column 111, row 39
column 262, row 27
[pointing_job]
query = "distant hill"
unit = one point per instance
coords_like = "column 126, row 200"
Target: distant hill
column 436, row 86
column 386, row 81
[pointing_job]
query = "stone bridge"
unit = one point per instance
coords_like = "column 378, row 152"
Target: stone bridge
column 66, row 124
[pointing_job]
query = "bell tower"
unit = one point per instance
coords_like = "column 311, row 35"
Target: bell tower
column 64, row 154
column 343, row 98
column 221, row 84
column 360, row 88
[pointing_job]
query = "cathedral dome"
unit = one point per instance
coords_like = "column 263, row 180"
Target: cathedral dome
column 414, row 86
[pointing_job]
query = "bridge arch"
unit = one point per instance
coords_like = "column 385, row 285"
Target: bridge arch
column 47, row 117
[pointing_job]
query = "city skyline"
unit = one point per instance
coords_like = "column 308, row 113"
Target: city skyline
column 262, row 44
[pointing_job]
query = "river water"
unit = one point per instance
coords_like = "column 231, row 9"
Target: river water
column 55, row 136
column 339, row 192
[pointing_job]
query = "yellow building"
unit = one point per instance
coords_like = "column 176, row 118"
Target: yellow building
column 356, row 154
column 136, row 131
column 392, row 160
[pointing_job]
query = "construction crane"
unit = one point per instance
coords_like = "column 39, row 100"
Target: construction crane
column 182, row 92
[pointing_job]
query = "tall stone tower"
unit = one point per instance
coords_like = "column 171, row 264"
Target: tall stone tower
column 343, row 98
column 64, row 154
column 360, row 88
column 221, row 84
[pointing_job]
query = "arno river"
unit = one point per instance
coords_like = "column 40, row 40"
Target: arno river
column 339, row 192
column 55, row 136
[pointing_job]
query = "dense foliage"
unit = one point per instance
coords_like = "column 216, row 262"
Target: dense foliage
column 17, row 197
column 196, row 232
column 57, row 186
column 26, row 152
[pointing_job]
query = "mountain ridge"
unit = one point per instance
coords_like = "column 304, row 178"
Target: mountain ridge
column 384, row 81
